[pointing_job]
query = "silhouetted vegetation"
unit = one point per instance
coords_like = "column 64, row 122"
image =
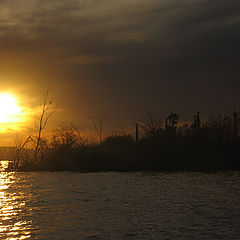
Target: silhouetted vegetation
column 160, row 145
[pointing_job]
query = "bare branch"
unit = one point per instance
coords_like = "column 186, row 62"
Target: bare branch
column 45, row 105
column 150, row 124
column 97, row 122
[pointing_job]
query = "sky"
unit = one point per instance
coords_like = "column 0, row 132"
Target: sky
column 121, row 58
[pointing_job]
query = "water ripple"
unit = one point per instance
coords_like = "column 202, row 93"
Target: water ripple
column 116, row 206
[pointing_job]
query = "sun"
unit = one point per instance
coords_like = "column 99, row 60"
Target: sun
column 10, row 112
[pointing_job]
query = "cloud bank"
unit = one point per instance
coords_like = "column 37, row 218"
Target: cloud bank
column 123, row 57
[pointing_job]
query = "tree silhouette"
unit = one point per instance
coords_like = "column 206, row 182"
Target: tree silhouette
column 150, row 123
column 172, row 121
column 47, row 110
column 97, row 122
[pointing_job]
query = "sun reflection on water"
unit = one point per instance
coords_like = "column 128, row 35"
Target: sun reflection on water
column 12, row 226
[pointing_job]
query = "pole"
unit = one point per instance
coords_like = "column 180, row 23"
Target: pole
column 137, row 136
column 235, row 125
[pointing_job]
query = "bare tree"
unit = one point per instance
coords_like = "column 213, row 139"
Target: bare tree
column 97, row 122
column 150, row 123
column 69, row 134
column 121, row 131
column 47, row 110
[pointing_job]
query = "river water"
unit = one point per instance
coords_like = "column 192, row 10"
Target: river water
column 66, row 205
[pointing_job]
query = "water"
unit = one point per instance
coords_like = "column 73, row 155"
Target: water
column 64, row 205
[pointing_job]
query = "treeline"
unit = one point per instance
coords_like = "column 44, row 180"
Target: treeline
column 159, row 145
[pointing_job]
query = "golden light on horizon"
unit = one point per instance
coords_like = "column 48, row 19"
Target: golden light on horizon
column 11, row 113
column 9, row 109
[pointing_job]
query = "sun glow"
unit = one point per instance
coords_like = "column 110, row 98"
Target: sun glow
column 9, row 109
column 11, row 114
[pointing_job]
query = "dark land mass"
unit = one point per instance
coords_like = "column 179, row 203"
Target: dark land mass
column 212, row 145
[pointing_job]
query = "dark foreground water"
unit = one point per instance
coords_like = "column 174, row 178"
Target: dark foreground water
column 64, row 205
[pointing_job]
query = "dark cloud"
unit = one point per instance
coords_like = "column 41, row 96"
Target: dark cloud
column 126, row 57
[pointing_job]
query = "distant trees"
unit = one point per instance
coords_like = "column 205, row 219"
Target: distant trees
column 118, row 141
column 152, row 126
column 69, row 135
column 194, row 145
column 220, row 128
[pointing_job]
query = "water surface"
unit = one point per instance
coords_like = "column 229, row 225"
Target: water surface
column 65, row 205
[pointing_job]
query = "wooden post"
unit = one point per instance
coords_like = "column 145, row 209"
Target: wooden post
column 235, row 124
column 198, row 120
column 137, row 136
column 194, row 122
column 166, row 124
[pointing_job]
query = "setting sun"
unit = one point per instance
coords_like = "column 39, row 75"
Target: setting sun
column 15, row 115
column 9, row 109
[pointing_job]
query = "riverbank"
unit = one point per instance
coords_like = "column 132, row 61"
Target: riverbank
column 145, row 156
